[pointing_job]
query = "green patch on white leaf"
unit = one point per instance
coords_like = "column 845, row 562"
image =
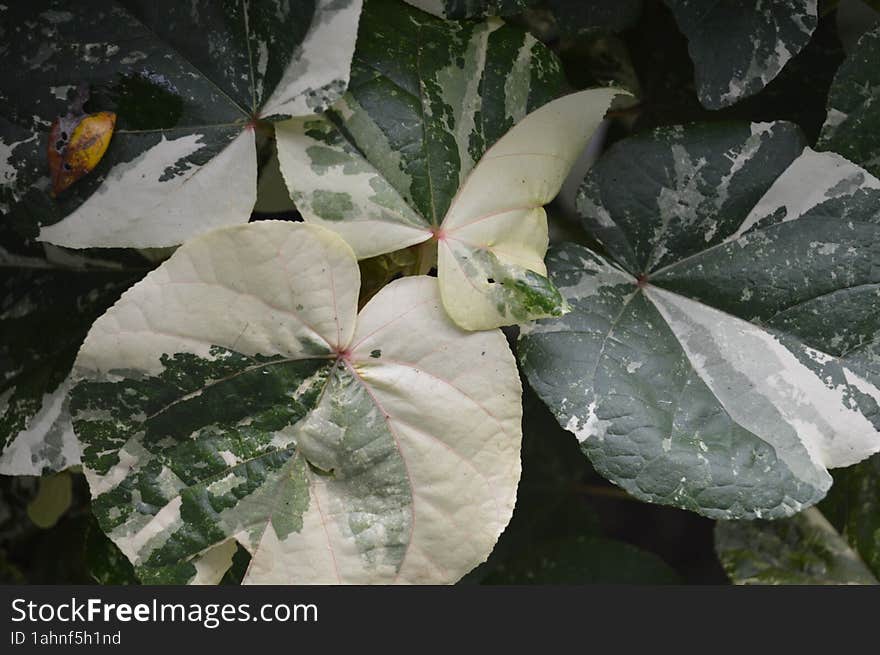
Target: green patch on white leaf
column 236, row 396
column 696, row 368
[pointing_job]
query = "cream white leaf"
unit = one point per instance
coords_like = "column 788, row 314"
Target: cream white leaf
column 493, row 239
column 239, row 384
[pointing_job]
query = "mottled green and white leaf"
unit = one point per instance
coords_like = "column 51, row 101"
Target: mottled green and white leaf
column 804, row 549
column 235, row 395
column 45, row 312
column 427, row 98
column 739, row 47
column 186, row 82
column 697, row 367
column 414, row 153
column 852, row 126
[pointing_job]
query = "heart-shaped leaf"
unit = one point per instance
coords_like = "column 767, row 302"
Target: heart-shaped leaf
column 699, row 366
column 803, row 549
column 852, row 127
column 738, row 47
column 235, row 394
column 393, row 164
column 186, row 82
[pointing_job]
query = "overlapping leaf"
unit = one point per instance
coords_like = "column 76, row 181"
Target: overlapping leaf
column 852, row 127
column 699, row 367
column 738, row 49
column 235, row 395
column 803, row 549
column 838, row 545
column 395, row 163
column 853, row 507
column 185, row 80
column 45, row 312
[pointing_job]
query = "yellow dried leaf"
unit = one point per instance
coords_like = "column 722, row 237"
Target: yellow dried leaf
column 74, row 155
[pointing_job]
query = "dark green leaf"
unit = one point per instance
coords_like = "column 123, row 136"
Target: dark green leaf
column 803, row 549
column 45, row 312
column 104, row 561
column 738, row 49
column 853, row 506
column 698, row 367
column 852, row 127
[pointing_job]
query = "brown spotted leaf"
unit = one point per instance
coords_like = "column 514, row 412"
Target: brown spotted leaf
column 77, row 145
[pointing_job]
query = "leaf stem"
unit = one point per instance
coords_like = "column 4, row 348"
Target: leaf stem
column 426, row 257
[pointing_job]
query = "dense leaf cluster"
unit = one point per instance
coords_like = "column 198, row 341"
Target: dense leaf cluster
column 429, row 291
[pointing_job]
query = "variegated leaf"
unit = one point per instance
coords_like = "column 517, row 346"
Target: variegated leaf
column 186, row 82
column 235, row 395
column 45, row 313
column 852, row 127
column 411, row 155
column 699, row 366
column 803, row 549
column 738, row 47
column 492, row 242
